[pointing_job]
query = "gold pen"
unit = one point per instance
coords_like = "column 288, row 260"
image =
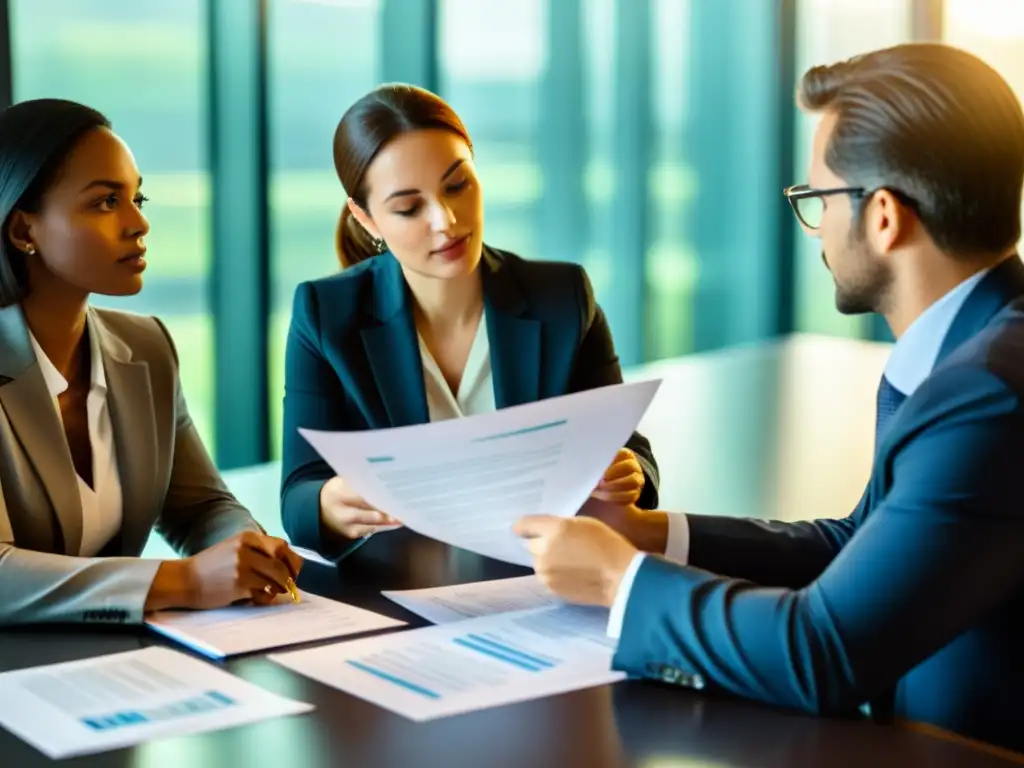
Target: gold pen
column 292, row 590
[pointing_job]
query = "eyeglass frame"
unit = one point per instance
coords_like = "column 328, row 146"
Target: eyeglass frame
column 805, row 192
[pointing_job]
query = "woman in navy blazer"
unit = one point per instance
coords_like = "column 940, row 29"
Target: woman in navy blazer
column 425, row 321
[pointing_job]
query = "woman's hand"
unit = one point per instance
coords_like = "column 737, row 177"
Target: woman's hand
column 347, row 514
column 623, row 481
column 250, row 566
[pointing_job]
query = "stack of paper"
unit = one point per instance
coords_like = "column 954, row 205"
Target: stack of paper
column 109, row 702
column 247, row 628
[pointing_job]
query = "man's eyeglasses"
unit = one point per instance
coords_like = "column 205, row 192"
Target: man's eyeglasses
column 808, row 203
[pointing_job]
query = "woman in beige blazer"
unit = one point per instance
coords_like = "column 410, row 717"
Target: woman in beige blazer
column 96, row 444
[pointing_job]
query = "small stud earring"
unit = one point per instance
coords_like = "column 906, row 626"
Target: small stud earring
column 379, row 244
column 30, row 249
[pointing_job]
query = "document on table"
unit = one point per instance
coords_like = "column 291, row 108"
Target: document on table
column 467, row 481
column 110, row 702
column 246, row 628
column 485, row 662
column 441, row 605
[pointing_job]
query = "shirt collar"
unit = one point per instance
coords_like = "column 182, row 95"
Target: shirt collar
column 56, row 384
column 915, row 353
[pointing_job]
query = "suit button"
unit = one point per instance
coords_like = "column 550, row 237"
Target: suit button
column 670, row 675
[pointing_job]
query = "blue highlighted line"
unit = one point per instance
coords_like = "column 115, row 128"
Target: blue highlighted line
column 380, row 459
column 491, row 637
column 220, row 698
column 114, row 721
column 209, row 701
column 392, row 679
column 494, row 654
column 523, row 431
column 536, row 661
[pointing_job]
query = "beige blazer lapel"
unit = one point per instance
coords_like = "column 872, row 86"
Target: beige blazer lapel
column 132, row 418
column 29, row 408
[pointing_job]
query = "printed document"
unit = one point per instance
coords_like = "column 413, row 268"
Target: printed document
column 467, row 481
column 468, row 665
column 246, row 628
column 441, row 605
column 310, row 556
column 119, row 700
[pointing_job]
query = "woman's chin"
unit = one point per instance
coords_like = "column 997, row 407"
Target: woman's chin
column 124, row 287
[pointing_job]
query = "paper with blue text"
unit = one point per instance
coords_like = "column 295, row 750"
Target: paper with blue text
column 109, row 702
column 468, row 665
column 467, row 481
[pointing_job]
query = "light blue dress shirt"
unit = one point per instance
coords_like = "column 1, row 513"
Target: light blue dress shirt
column 909, row 364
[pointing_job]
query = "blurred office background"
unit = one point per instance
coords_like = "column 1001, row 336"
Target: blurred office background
column 647, row 139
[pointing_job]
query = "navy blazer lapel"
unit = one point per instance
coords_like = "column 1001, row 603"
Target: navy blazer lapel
column 392, row 347
column 515, row 340
column 1003, row 284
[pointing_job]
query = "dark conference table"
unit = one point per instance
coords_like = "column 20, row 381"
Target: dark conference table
column 780, row 430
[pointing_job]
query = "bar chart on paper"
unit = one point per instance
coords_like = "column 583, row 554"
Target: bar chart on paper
column 97, row 704
column 468, row 665
column 208, row 701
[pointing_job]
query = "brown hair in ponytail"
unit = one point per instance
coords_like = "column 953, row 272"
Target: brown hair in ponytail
column 353, row 243
column 366, row 127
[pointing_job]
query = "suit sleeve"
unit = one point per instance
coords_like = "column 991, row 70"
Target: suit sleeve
column 312, row 399
column 938, row 554
column 769, row 553
column 43, row 588
column 199, row 510
column 597, row 365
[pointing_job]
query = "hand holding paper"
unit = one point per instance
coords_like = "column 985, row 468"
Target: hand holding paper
column 623, row 481
column 581, row 560
column 348, row 514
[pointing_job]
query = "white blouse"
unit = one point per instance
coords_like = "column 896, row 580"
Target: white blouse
column 101, row 504
column 476, row 389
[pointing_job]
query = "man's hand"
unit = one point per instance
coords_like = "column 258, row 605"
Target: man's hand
column 646, row 529
column 580, row 559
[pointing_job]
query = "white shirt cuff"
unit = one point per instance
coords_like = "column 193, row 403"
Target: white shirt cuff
column 618, row 610
column 677, row 546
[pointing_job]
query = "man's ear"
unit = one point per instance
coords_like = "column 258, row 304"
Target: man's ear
column 888, row 223
column 363, row 218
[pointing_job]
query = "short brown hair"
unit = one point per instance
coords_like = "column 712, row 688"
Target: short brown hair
column 936, row 124
column 366, row 127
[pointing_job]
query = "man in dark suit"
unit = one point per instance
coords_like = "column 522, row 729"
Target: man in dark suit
column 912, row 606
